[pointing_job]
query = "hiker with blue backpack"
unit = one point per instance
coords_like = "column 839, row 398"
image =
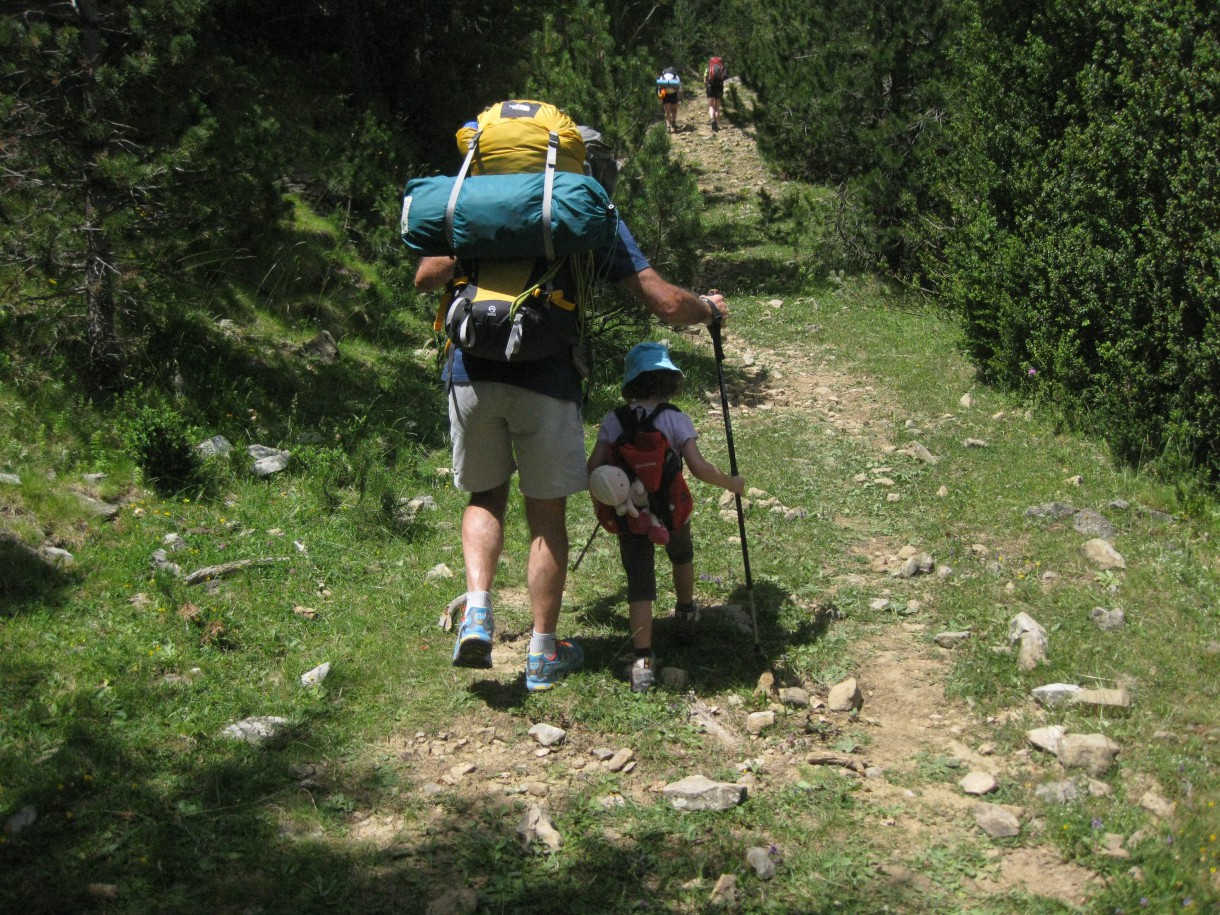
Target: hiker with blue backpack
column 515, row 355
column 650, row 439
column 669, row 91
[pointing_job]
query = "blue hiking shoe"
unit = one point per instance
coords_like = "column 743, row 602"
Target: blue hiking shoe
column 542, row 672
column 473, row 646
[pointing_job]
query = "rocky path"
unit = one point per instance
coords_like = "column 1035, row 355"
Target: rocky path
column 926, row 763
column 912, row 725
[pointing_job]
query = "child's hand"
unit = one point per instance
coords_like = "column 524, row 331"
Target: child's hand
column 737, row 485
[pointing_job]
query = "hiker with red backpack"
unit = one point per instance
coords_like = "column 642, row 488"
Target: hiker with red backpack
column 515, row 408
column 713, row 84
column 650, row 438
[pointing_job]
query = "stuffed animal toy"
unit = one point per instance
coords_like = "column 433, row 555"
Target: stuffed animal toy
column 610, row 486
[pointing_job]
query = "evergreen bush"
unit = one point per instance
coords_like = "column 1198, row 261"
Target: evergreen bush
column 1084, row 250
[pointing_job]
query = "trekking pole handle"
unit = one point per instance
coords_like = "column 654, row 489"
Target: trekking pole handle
column 714, row 326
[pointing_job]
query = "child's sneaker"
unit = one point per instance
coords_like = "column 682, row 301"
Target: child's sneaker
column 642, row 676
column 542, row 672
column 473, row 647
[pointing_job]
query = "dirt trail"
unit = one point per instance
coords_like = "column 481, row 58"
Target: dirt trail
column 919, row 742
column 913, row 724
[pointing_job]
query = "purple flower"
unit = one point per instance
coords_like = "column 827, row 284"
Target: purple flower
column 1143, row 902
column 1097, row 823
column 1032, row 372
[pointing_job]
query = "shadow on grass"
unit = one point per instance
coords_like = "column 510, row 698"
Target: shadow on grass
column 29, row 581
column 113, row 822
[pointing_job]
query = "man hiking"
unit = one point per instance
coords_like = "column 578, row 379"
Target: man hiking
column 524, row 416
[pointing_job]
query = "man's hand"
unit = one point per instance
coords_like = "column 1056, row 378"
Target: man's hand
column 433, row 273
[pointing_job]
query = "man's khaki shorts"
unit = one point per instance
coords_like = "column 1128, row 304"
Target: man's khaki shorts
column 497, row 428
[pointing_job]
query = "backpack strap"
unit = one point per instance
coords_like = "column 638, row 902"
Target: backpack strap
column 548, row 192
column 471, row 150
column 629, row 420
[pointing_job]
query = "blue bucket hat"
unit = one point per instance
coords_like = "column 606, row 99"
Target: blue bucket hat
column 648, row 357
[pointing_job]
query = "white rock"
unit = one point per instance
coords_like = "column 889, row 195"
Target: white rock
column 1047, row 738
column 1053, row 694
column 256, row 730
column 548, row 735
column 1103, row 555
column 316, row 676
column 757, row 722
column 978, row 783
column 845, row 696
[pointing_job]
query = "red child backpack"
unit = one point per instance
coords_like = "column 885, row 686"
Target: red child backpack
column 644, row 453
column 715, row 70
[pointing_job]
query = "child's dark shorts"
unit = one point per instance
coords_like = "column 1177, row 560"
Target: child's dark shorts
column 639, row 560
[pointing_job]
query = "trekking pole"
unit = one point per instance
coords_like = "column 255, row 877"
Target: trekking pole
column 714, row 329
column 585, row 549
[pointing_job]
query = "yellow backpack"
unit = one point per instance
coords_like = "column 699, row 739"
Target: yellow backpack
column 515, row 310
column 515, row 137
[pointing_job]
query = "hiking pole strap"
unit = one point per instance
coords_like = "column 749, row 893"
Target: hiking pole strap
column 548, row 194
column 457, row 187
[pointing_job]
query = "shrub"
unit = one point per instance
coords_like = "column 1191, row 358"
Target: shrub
column 1084, row 241
column 159, row 440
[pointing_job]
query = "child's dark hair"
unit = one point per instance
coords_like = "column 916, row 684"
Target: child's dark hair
column 661, row 384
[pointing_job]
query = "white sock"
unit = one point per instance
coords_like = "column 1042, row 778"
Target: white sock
column 478, row 599
column 542, row 643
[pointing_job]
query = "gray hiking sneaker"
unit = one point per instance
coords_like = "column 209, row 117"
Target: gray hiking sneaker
column 642, row 676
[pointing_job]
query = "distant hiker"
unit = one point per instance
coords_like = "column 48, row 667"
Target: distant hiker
column 669, row 91
column 650, row 379
column 523, row 412
column 713, row 85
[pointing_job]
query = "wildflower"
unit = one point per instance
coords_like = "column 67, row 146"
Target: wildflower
column 1097, row 822
column 1032, row 372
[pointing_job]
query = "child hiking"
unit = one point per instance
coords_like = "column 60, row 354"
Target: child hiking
column 649, row 380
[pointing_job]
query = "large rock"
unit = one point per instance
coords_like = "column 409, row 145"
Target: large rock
column 697, row 792
column 547, row 734
column 1094, row 753
column 978, row 783
column 1053, row 694
column 845, row 696
column 1093, row 524
column 1103, row 555
column 1047, row 738
column 257, row 730
column 1031, row 638
column 1102, row 698
column 268, row 460
column 996, row 821
column 1108, row 620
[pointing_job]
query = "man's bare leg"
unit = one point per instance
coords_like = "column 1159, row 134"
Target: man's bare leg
column 482, row 543
column 483, row 536
column 547, row 570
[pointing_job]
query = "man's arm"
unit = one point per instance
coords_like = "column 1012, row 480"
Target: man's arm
column 672, row 304
column 433, row 273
